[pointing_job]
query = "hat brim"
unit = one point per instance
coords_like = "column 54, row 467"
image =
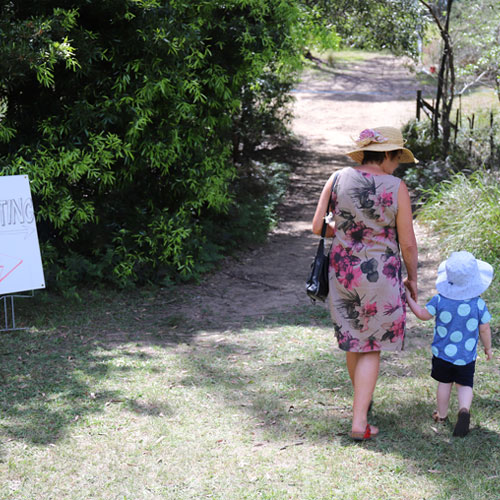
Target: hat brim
column 474, row 288
column 406, row 157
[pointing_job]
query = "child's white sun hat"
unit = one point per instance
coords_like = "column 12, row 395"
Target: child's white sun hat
column 462, row 276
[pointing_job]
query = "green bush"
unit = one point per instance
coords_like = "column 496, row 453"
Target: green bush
column 135, row 119
column 130, row 118
column 431, row 168
column 250, row 216
column 471, row 149
column 464, row 212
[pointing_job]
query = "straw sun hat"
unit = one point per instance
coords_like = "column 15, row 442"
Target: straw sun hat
column 381, row 139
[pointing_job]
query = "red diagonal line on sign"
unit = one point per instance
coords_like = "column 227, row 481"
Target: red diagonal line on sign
column 10, row 272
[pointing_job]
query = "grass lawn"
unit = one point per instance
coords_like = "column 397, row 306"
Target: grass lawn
column 479, row 99
column 109, row 399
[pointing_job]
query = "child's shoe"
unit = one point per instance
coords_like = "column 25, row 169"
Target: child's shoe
column 462, row 425
column 438, row 419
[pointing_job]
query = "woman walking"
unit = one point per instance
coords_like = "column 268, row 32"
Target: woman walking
column 371, row 223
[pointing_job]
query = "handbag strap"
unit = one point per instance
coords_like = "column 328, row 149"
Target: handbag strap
column 323, row 229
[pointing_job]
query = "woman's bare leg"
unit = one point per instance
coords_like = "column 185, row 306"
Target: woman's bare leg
column 351, row 361
column 365, row 374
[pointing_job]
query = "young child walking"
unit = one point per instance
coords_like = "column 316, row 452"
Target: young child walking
column 461, row 316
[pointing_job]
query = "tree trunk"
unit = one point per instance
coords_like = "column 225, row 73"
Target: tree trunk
column 445, row 91
column 449, row 82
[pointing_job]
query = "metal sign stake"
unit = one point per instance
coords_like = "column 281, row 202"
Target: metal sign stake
column 12, row 327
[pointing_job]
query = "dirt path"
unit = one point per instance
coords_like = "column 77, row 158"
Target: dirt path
column 332, row 106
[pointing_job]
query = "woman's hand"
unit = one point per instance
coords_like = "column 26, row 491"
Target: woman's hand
column 412, row 287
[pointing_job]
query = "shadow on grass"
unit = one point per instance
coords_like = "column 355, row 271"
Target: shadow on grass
column 48, row 373
column 461, row 466
column 308, row 399
column 296, row 387
column 354, row 83
column 44, row 384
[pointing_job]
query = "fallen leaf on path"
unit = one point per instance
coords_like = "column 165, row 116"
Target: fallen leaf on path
column 114, row 401
column 299, row 443
column 159, row 440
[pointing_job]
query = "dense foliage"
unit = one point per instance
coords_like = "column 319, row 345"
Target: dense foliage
column 128, row 117
column 465, row 213
column 135, row 120
column 476, row 35
column 471, row 150
column 396, row 25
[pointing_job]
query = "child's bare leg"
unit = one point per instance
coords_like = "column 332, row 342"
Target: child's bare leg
column 465, row 394
column 443, row 398
column 464, row 402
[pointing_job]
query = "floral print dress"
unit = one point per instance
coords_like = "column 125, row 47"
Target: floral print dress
column 366, row 296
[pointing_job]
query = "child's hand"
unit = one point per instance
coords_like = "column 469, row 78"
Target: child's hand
column 489, row 354
column 408, row 290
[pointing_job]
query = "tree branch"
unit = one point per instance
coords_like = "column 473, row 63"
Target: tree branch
column 468, row 85
column 436, row 18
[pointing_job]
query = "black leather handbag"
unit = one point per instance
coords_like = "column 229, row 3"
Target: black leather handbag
column 317, row 284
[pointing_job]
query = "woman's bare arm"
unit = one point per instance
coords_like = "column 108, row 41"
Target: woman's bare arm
column 407, row 240
column 317, row 223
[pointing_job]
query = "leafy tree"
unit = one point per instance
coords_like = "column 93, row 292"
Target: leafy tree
column 133, row 118
column 395, row 25
column 126, row 115
column 470, row 54
column 476, row 37
column 440, row 13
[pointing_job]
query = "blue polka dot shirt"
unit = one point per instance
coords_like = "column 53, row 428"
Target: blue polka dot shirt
column 456, row 330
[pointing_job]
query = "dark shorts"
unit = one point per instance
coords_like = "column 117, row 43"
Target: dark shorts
column 446, row 372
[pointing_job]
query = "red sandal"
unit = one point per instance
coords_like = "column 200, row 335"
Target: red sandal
column 360, row 436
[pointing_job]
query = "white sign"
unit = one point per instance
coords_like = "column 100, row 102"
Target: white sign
column 20, row 261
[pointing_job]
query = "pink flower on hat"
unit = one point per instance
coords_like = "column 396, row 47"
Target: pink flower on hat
column 369, row 136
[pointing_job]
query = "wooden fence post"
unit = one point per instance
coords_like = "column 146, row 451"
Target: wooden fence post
column 492, row 140
column 471, row 130
column 460, row 107
column 419, row 103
